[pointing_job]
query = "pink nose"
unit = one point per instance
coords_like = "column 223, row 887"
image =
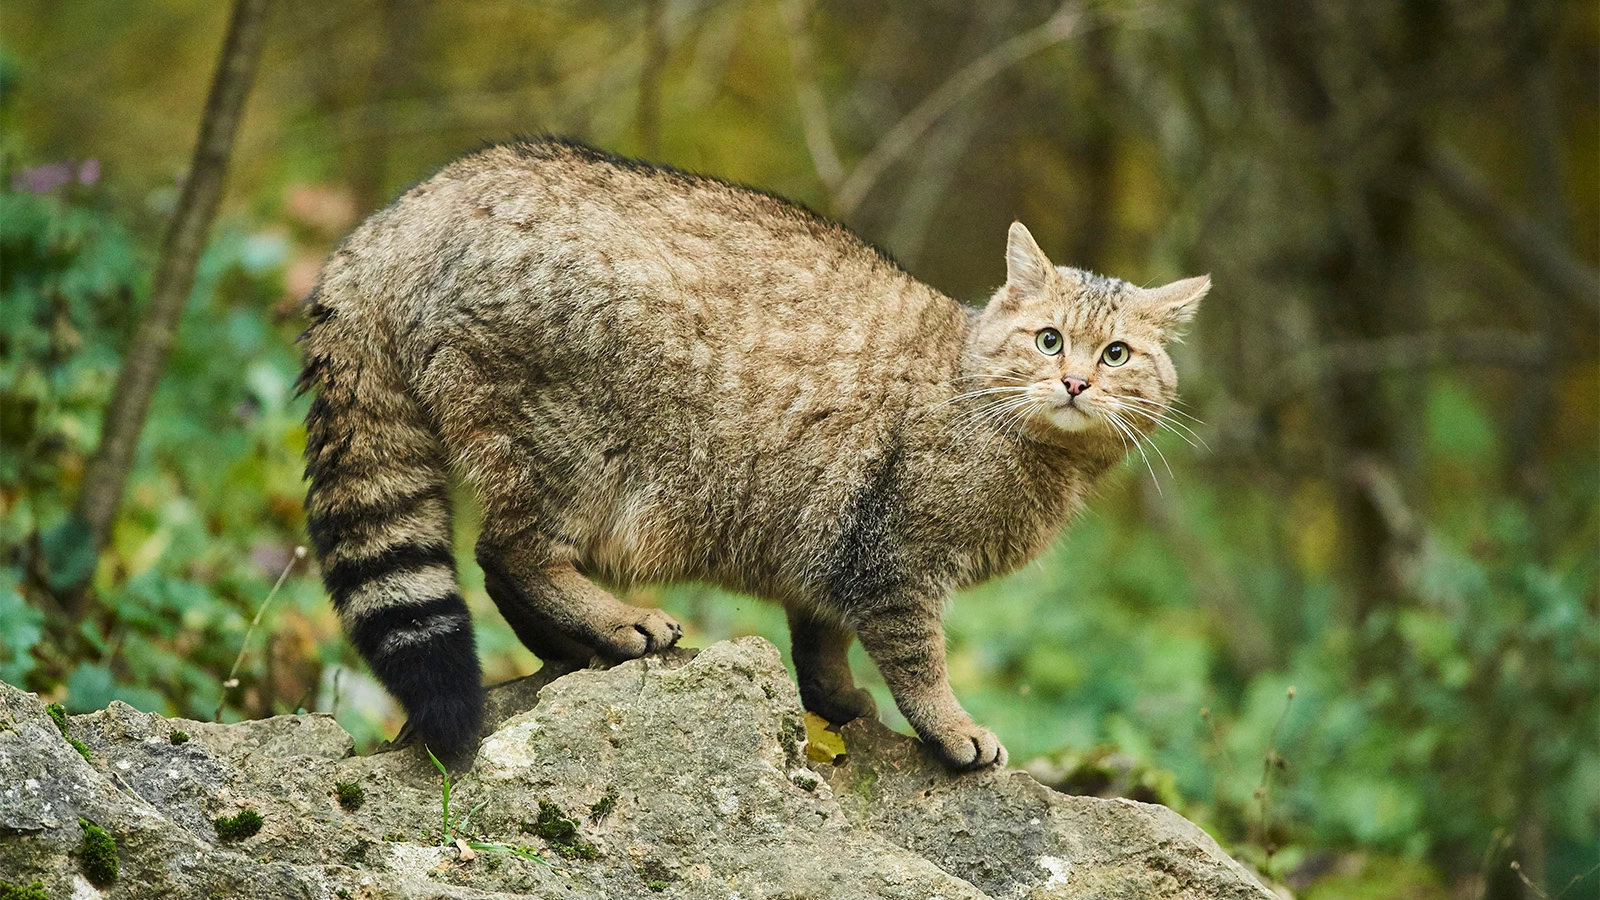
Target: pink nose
column 1075, row 385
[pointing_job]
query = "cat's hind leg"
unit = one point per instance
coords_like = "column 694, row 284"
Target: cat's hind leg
column 822, row 668
column 528, row 474
column 536, row 632
column 548, row 596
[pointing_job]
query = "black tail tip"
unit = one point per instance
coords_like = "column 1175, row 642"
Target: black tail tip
column 440, row 685
column 448, row 725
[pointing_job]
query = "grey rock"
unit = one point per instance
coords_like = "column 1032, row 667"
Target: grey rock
column 684, row 774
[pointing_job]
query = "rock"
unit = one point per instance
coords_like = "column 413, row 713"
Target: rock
column 680, row 776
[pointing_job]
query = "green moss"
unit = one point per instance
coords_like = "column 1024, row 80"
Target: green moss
column 396, row 837
column 561, row 832
column 179, row 737
column 350, row 794
column 656, row 875
column 238, row 827
column 603, row 807
column 58, row 714
column 552, row 825
column 97, row 855
column 578, row 849
column 34, row 891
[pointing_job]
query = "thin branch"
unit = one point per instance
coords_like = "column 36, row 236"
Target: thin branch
column 1532, row 245
column 1404, row 352
column 904, row 135
column 232, row 681
column 813, row 109
column 107, row 477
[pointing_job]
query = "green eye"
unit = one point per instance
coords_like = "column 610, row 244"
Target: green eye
column 1048, row 341
column 1116, row 354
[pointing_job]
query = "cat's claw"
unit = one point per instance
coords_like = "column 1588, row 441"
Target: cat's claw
column 650, row 632
column 968, row 746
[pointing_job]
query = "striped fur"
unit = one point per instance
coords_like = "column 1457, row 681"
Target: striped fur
column 378, row 511
column 648, row 376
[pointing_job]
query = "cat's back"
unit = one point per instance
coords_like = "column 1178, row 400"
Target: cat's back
column 542, row 230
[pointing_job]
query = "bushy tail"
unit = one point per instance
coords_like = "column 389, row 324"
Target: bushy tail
column 378, row 510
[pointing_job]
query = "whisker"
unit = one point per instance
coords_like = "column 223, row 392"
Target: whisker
column 1167, row 408
column 1139, row 445
column 1144, row 406
column 1005, row 389
column 995, row 376
column 1162, row 423
column 1019, row 419
column 989, row 415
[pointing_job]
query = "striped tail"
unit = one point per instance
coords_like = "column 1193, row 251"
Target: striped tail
column 378, row 510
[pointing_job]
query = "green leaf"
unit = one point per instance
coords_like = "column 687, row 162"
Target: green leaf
column 68, row 553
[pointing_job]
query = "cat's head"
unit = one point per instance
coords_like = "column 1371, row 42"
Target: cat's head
column 1062, row 351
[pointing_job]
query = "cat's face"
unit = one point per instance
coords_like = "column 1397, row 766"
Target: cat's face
column 1062, row 351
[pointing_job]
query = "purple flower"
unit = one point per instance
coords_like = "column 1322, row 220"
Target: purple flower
column 46, row 178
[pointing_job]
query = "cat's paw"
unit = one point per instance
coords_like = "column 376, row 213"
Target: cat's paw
column 648, row 631
column 844, row 705
column 965, row 745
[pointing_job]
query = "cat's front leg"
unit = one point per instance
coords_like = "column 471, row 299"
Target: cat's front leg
column 906, row 640
column 821, row 652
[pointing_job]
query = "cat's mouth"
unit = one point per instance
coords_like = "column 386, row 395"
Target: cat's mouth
column 1070, row 415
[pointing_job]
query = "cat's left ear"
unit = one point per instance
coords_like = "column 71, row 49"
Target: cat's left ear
column 1172, row 306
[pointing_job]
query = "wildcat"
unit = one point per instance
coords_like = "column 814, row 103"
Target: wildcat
column 649, row 376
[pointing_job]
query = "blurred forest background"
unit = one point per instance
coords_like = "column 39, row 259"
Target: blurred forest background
column 1353, row 630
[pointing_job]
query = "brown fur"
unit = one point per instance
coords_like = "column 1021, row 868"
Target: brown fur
column 649, row 376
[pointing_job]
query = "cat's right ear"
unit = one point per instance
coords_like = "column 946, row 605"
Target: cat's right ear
column 1028, row 270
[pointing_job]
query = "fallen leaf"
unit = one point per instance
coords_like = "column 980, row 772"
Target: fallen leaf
column 822, row 745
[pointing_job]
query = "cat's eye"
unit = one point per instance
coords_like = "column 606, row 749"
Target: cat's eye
column 1048, row 341
column 1116, row 354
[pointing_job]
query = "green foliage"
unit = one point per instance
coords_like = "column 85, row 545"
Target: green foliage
column 21, row 627
column 97, row 854
column 351, row 795
column 243, row 824
column 601, row 808
column 33, row 891
column 178, row 737
column 449, row 828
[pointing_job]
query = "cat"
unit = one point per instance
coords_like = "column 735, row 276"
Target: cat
column 650, row 376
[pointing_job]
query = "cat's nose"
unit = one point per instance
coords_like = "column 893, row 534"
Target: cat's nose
column 1075, row 385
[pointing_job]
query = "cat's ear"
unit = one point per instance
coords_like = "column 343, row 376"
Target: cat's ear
column 1174, row 305
column 1028, row 270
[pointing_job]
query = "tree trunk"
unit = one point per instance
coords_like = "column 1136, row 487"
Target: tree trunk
column 107, row 476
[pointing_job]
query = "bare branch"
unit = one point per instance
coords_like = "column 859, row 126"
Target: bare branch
column 107, row 477
column 1532, row 245
column 904, row 135
column 813, row 110
column 1402, row 352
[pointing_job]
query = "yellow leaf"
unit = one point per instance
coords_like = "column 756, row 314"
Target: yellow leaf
column 822, row 745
